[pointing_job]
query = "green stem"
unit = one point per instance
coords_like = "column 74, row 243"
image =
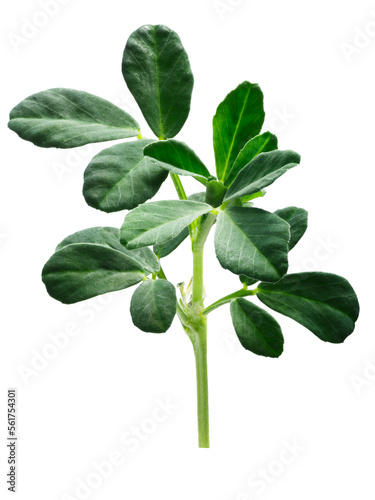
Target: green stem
column 182, row 196
column 198, row 286
column 179, row 187
column 193, row 322
column 198, row 330
column 200, row 351
column 198, row 249
column 228, row 298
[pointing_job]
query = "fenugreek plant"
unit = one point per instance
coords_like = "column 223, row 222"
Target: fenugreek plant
column 250, row 242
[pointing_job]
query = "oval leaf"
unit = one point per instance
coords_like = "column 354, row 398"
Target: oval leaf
column 199, row 196
column 238, row 119
column 324, row 303
column 110, row 237
column 157, row 71
column 261, row 172
column 84, row 270
column 257, row 330
column 120, row 177
column 66, row 118
column 252, row 242
column 153, row 306
column 177, row 157
column 157, row 222
column 171, row 245
column 260, row 144
column 297, row 220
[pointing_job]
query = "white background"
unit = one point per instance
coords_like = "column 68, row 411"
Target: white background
column 315, row 65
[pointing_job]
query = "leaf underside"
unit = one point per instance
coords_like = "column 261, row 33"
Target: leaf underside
column 110, row 237
column 157, row 222
column 66, row 118
column 171, row 245
column 121, row 178
column 153, row 306
column 83, row 270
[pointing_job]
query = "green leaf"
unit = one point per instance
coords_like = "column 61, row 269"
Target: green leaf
column 83, row 270
column 238, row 119
column 297, row 220
column 171, row 245
column 324, row 303
column 176, row 157
column 257, row 330
column 199, row 196
column 157, row 222
column 252, row 242
column 261, row 172
column 110, row 237
column 66, row 118
column 146, row 257
column 157, row 72
column 260, row 144
column 120, row 177
column 153, row 306
column 246, row 199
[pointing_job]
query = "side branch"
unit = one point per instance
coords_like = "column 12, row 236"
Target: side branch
column 229, row 298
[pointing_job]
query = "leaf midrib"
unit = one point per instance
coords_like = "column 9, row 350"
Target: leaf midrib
column 157, row 228
column 248, row 239
column 259, row 150
column 261, row 290
column 157, row 83
column 234, row 135
column 102, row 245
column 65, row 120
column 257, row 330
column 127, row 173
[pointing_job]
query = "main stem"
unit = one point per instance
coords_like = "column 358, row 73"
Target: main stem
column 200, row 351
column 198, row 332
column 192, row 319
